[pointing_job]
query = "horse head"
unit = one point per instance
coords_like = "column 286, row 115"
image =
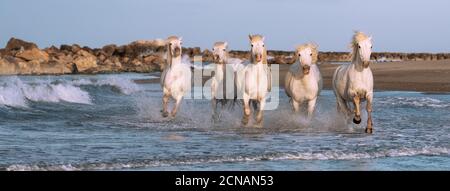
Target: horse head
column 173, row 44
column 258, row 51
column 306, row 55
column 220, row 53
column 362, row 48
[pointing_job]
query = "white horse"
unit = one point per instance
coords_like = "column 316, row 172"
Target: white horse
column 303, row 81
column 176, row 76
column 218, row 81
column 354, row 82
column 254, row 81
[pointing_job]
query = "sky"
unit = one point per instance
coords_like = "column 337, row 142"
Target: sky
column 395, row 25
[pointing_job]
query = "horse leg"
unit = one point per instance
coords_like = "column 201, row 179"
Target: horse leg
column 260, row 114
column 165, row 102
column 177, row 105
column 214, row 108
column 311, row 106
column 247, row 110
column 295, row 106
column 356, row 102
column 342, row 106
column 369, row 115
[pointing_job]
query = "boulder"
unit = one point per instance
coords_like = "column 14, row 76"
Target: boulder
column 17, row 44
column 109, row 49
column 33, row 54
column 84, row 61
column 7, row 68
column 70, row 48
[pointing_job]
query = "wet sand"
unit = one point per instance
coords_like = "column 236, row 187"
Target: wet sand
column 422, row 76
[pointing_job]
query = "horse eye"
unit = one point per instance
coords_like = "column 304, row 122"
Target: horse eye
column 224, row 49
column 299, row 55
column 263, row 45
column 252, row 45
column 359, row 46
column 370, row 47
column 311, row 54
column 170, row 44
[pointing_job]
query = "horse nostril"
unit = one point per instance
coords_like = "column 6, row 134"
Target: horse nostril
column 306, row 69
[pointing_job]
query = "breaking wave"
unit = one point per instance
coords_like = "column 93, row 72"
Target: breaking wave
column 16, row 92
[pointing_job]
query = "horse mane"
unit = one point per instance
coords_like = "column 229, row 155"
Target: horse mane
column 169, row 56
column 357, row 37
column 169, row 53
column 314, row 51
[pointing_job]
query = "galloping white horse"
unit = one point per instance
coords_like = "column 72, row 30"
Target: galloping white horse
column 303, row 81
column 254, row 81
column 354, row 82
column 176, row 76
column 218, row 81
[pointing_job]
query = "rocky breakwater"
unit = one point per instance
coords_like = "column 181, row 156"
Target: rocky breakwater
column 25, row 58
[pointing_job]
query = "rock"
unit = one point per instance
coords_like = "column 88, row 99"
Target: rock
column 7, row 68
column 136, row 62
column 207, row 56
column 109, row 49
column 53, row 67
column 142, row 48
column 101, row 57
column 51, row 50
column 84, row 61
column 76, row 48
column 17, row 44
column 70, row 48
column 33, row 54
column 65, row 47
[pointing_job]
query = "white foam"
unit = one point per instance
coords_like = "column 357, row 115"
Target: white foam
column 15, row 93
column 414, row 102
column 125, row 85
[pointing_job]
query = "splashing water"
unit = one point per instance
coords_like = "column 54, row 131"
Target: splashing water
column 108, row 122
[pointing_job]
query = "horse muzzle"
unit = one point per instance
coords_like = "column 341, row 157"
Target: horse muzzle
column 177, row 52
column 216, row 59
column 306, row 70
column 366, row 64
column 258, row 57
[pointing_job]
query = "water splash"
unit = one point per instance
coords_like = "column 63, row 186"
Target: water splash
column 14, row 92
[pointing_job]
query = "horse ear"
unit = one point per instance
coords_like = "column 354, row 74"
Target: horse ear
column 181, row 38
column 370, row 38
column 263, row 38
column 250, row 36
column 225, row 44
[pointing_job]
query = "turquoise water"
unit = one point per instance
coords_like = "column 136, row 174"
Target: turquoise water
column 108, row 122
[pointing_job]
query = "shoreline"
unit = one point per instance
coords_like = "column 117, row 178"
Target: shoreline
column 431, row 77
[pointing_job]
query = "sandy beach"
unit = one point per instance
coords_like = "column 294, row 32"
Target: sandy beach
column 422, row 76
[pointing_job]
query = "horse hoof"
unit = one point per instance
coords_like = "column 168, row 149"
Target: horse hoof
column 356, row 121
column 165, row 114
column 369, row 131
column 244, row 122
